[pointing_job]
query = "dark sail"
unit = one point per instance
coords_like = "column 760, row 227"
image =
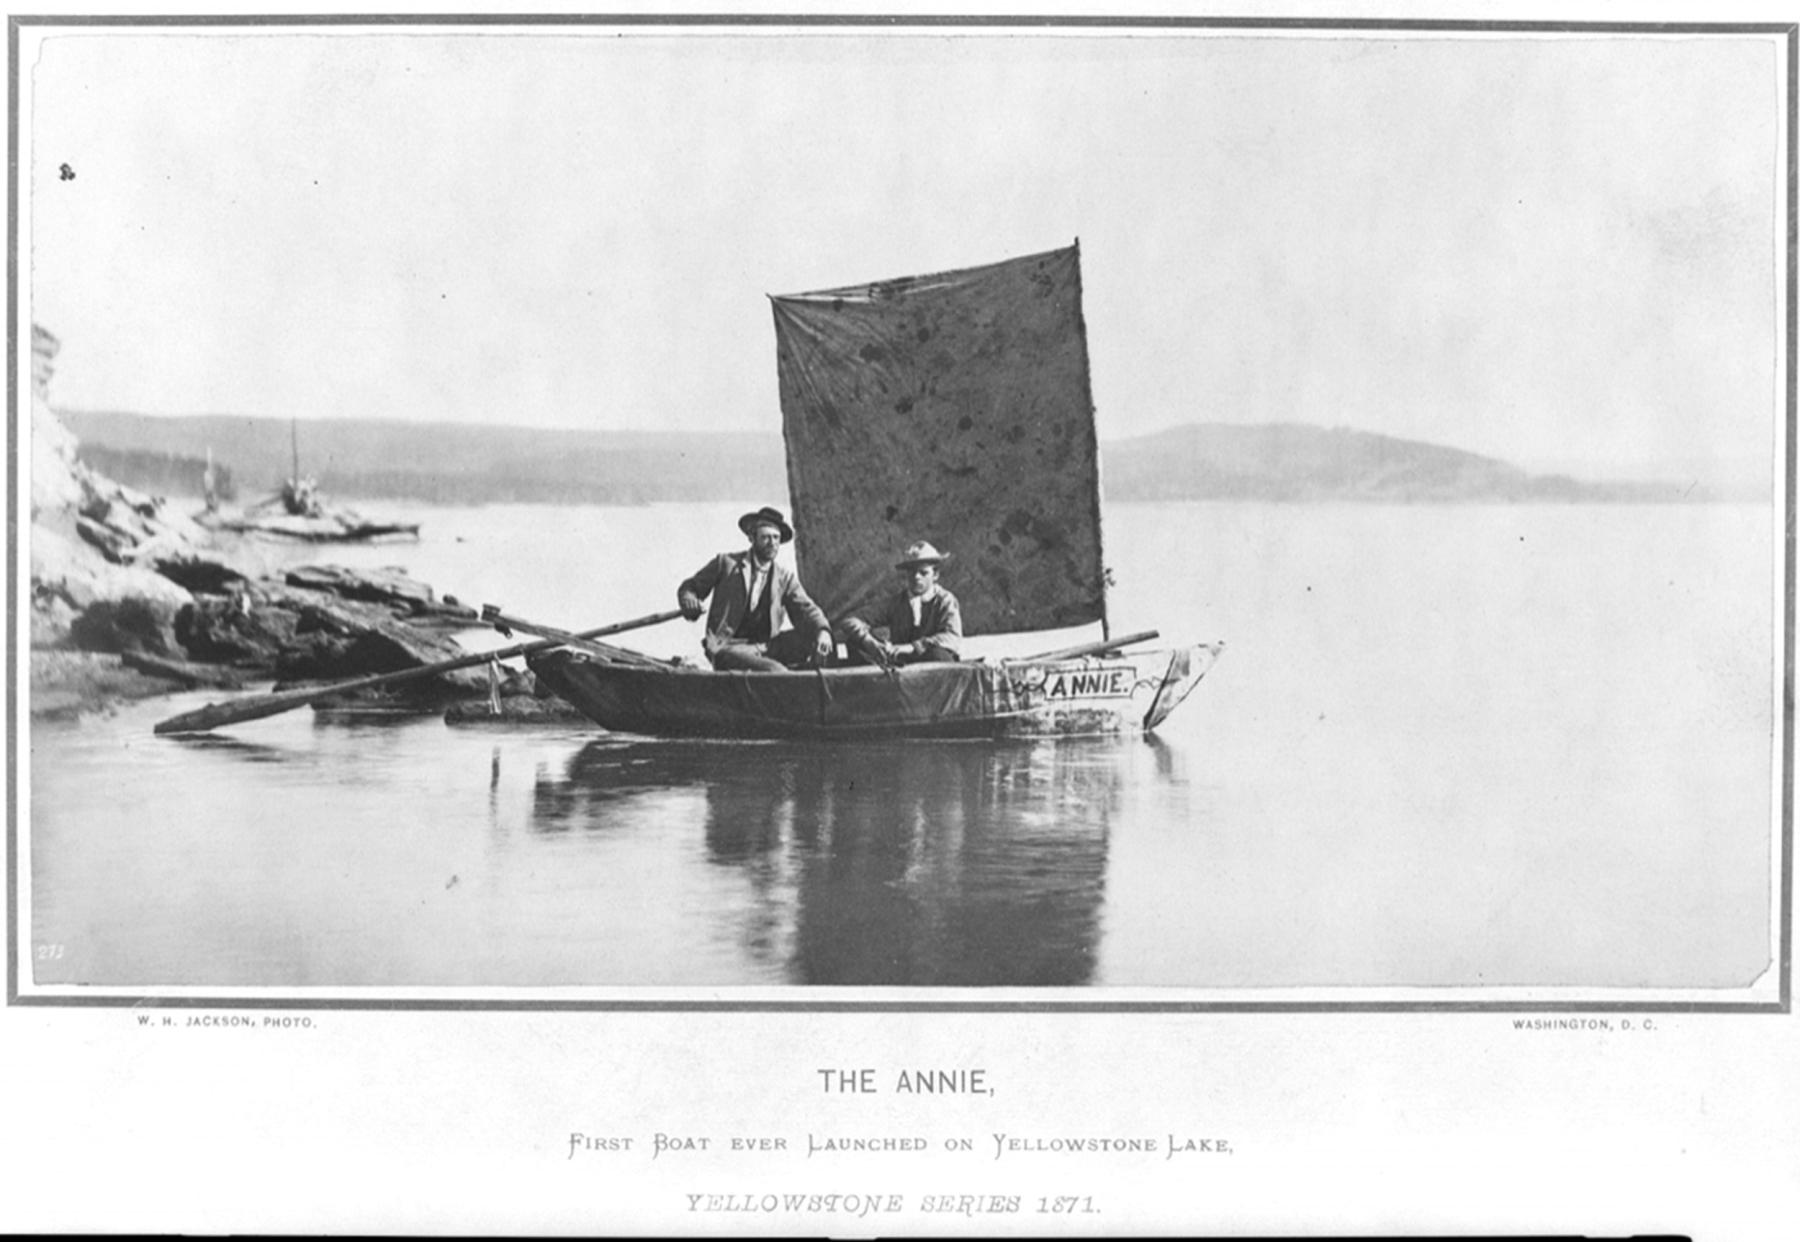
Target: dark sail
column 953, row 408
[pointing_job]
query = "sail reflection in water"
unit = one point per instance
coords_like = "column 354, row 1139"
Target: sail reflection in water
column 898, row 864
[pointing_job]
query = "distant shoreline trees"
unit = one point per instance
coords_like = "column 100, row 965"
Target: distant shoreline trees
column 161, row 474
column 441, row 464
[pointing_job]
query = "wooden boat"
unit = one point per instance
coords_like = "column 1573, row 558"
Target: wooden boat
column 329, row 526
column 1113, row 693
column 953, row 407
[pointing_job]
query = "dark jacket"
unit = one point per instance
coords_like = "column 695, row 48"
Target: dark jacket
column 723, row 579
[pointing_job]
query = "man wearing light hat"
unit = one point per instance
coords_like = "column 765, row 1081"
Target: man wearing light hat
column 921, row 623
column 756, row 601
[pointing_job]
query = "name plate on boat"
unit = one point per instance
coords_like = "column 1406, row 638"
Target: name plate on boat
column 1103, row 683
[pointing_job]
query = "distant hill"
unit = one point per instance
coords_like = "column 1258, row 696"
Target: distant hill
column 452, row 463
column 1295, row 462
column 446, row 463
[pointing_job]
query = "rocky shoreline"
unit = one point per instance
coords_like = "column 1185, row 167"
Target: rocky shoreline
column 130, row 599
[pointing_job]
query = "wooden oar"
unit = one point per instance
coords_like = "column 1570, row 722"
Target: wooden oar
column 256, row 707
column 1088, row 649
column 506, row 624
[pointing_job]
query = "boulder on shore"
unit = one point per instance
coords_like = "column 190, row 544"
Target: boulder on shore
column 202, row 573
column 134, row 623
column 118, row 575
column 68, row 579
column 92, row 541
column 393, row 588
column 333, row 643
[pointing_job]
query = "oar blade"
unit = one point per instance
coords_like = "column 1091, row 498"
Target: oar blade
column 213, row 715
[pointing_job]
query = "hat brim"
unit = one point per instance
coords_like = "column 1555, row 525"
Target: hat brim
column 922, row 562
column 750, row 521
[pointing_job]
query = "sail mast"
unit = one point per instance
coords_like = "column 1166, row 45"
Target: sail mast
column 1087, row 397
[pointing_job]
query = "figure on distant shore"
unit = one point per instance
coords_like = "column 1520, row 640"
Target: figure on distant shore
column 301, row 497
column 761, row 618
column 919, row 624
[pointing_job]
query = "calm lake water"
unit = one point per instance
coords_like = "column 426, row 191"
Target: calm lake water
column 1444, row 745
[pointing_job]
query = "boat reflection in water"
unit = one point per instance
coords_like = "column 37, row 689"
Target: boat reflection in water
column 928, row 864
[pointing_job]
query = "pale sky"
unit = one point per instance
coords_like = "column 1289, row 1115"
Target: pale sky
column 1551, row 249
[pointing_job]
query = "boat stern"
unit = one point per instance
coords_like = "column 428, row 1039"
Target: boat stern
column 1187, row 665
column 1125, row 692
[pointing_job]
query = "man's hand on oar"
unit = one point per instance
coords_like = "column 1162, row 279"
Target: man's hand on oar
column 506, row 623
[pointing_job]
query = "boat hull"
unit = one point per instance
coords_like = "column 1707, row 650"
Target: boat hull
column 1123, row 693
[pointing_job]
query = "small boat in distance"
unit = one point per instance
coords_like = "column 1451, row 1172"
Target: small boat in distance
column 297, row 511
column 953, row 407
column 303, row 516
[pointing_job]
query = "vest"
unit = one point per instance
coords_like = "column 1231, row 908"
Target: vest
column 756, row 626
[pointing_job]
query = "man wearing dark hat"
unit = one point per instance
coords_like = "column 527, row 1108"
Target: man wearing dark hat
column 761, row 618
column 922, row 622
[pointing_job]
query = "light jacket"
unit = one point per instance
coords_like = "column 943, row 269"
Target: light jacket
column 940, row 621
column 723, row 578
